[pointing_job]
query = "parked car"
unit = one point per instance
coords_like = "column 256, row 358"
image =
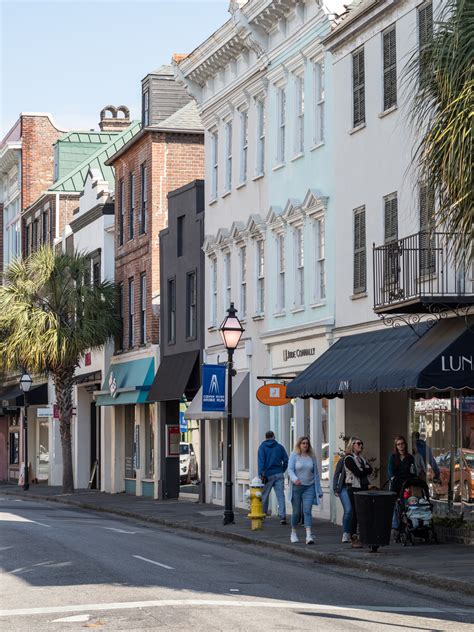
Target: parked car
column 463, row 476
column 188, row 467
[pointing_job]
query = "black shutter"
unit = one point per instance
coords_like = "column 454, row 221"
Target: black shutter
column 358, row 88
column 360, row 255
column 389, row 69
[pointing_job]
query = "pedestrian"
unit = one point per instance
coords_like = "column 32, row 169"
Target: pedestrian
column 305, row 487
column 357, row 472
column 426, row 454
column 341, row 491
column 272, row 465
column 420, row 465
column 401, row 466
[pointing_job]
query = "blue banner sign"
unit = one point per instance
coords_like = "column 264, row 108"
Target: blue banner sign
column 183, row 423
column 213, row 387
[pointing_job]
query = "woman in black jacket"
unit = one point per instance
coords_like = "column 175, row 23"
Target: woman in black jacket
column 357, row 470
column 401, row 466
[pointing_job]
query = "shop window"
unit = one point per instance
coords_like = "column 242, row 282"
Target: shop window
column 129, row 441
column 14, row 448
column 216, row 444
column 242, row 427
column 149, row 445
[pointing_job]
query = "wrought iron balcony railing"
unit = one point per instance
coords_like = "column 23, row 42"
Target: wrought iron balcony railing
column 416, row 272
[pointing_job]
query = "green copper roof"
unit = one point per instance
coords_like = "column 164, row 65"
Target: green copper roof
column 73, row 182
column 74, row 147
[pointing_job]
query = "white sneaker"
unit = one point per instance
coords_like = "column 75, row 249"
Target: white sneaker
column 346, row 537
column 293, row 537
column 309, row 539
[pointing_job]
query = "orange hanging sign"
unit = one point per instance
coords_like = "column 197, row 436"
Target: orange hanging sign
column 273, row 395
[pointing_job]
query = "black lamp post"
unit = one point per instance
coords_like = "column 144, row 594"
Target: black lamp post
column 25, row 385
column 231, row 331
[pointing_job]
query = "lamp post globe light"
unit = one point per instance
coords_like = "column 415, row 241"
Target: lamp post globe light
column 25, row 385
column 231, row 331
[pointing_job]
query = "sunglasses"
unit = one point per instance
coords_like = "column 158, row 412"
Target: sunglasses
column 358, row 443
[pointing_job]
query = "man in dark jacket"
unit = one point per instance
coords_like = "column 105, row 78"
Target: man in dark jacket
column 272, row 464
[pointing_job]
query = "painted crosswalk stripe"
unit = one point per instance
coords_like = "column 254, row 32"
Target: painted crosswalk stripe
column 145, row 559
column 226, row 603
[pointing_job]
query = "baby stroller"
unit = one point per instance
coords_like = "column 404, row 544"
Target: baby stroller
column 415, row 512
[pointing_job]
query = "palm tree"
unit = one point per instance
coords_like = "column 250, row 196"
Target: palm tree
column 50, row 315
column 440, row 76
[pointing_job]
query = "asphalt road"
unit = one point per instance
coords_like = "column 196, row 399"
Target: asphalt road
column 66, row 569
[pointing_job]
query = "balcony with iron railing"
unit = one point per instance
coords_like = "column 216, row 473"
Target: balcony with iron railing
column 421, row 272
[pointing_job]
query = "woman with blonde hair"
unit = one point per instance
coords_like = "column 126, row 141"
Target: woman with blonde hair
column 357, row 470
column 305, row 487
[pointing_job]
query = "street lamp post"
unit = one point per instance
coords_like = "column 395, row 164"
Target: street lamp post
column 25, row 385
column 231, row 331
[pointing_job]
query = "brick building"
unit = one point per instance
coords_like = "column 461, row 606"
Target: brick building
column 166, row 154
column 26, row 169
column 74, row 153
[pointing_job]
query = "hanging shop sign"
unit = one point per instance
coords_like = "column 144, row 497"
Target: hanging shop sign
column 173, row 437
column 213, row 387
column 273, row 395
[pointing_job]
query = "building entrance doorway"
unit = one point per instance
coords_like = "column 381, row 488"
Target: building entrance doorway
column 42, row 454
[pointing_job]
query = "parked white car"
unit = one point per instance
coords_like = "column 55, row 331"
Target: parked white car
column 188, row 467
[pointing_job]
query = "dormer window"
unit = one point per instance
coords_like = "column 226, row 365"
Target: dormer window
column 146, row 108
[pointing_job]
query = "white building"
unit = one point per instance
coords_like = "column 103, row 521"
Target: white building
column 258, row 81
column 391, row 261
column 93, row 232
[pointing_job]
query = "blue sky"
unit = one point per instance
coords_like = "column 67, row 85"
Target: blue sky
column 72, row 57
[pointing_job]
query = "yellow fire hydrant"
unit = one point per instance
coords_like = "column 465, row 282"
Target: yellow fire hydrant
column 256, row 514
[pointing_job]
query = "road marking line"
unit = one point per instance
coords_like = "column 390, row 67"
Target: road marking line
column 145, row 559
column 6, row 516
column 166, row 603
column 76, row 618
column 120, row 530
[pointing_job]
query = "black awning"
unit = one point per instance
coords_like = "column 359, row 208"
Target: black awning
column 37, row 395
column 171, row 379
column 440, row 357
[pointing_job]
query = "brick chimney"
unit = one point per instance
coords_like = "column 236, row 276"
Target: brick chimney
column 114, row 119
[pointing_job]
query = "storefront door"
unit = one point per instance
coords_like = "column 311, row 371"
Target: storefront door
column 42, row 454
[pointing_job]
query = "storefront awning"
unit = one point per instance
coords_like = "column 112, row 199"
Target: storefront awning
column 37, row 395
column 440, row 357
column 171, row 379
column 127, row 383
column 240, row 401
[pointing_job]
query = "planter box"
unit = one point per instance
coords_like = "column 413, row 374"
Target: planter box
column 455, row 535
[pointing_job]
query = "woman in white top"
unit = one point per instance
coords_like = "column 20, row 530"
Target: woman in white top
column 305, row 487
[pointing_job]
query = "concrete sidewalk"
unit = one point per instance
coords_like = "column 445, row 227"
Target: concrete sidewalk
column 447, row 566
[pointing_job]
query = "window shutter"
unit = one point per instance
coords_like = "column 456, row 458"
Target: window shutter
column 358, row 87
column 427, row 254
column 360, row 271
column 389, row 69
column 391, row 218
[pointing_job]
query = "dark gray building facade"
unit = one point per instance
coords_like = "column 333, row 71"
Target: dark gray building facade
column 181, row 321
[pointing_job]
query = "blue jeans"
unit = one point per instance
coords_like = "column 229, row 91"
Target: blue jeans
column 395, row 523
column 276, row 482
column 346, row 505
column 302, row 494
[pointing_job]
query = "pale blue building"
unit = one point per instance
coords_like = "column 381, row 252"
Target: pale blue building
column 300, row 232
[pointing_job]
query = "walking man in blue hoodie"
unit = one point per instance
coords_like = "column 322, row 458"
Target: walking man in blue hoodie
column 272, row 464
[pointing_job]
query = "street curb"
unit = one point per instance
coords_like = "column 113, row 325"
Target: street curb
column 332, row 559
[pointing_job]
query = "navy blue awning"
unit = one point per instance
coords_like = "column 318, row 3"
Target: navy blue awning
column 440, row 357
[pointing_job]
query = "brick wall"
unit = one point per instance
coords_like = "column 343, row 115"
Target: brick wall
column 47, row 204
column 38, row 136
column 172, row 160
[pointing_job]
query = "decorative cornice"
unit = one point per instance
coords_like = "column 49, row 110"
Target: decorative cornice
column 256, row 227
column 314, row 203
column 209, row 245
